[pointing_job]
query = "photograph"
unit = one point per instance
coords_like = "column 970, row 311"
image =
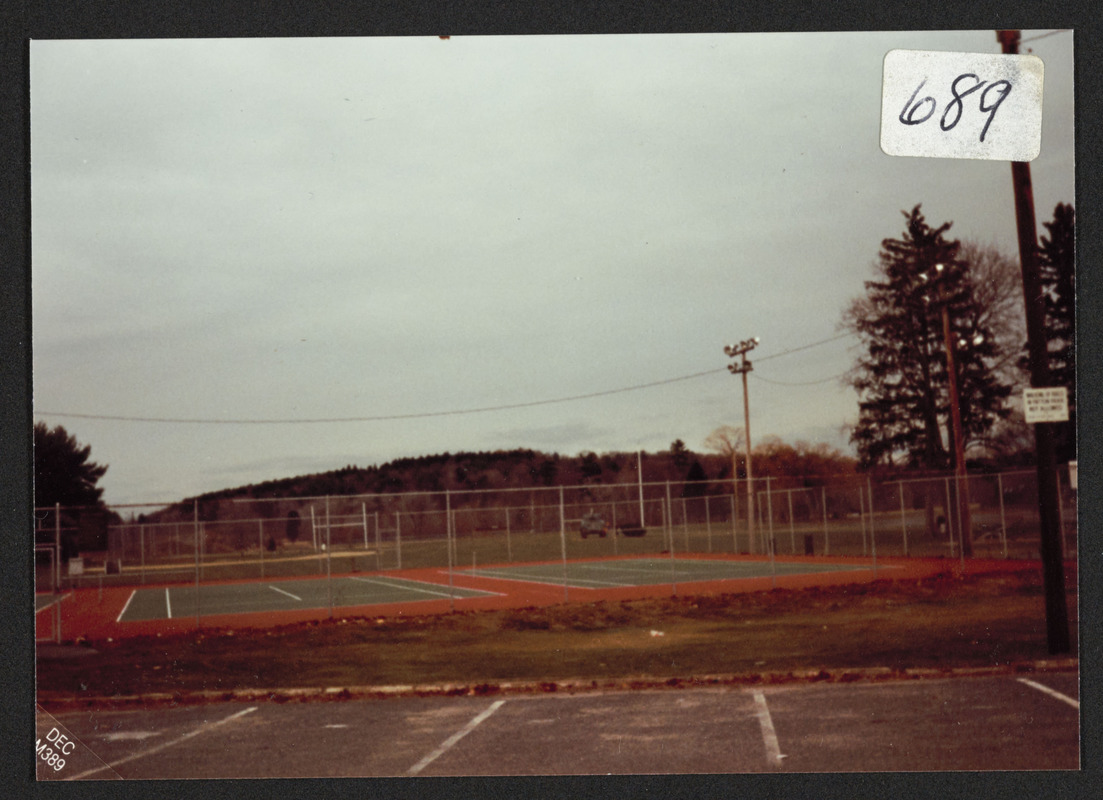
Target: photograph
column 605, row 404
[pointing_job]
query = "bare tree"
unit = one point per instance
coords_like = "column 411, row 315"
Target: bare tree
column 998, row 291
column 729, row 442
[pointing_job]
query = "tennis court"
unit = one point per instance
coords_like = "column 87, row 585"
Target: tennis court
column 173, row 602
column 656, row 571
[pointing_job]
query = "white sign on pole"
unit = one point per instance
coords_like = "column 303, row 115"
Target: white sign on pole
column 1050, row 404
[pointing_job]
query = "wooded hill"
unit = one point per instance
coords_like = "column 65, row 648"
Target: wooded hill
column 687, row 471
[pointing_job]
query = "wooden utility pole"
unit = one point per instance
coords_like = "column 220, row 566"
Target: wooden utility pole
column 1053, row 568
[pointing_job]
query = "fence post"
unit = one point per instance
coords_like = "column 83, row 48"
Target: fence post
column 563, row 542
column 57, row 547
column 1003, row 520
column 509, row 544
column 685, row 524
column 735, row 535
column 398, row 536
column 260, row 536
column 792, row 533
column 949, row 521
column 770, row 512
column 195, row 525
column 669, row 520
column 1060, row 513
column 378, row 542
column 448, row 541
column 960, row 520
column 826, row 537
column 872, row 529
column 141, row 551
column 708, row 520
column 903, row 519
column 329, row 565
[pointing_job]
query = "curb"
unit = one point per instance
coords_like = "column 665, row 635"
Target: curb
column 567, row 686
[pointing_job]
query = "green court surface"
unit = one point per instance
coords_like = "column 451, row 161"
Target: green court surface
column 44, row 601
column 297, row 595
column 607, row 574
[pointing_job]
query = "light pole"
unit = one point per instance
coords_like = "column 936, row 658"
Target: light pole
column 742, row 368
column 961, row 477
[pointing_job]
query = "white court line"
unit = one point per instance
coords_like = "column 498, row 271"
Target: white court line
column 281, row 591
column 401, row 583
column 54, row 602
column 393, row 586
column 455, row 737
column 575, row 583
column 1051, row 692
column 126, row 605
column 159, row 748
column 168, row 603
column 769, row 735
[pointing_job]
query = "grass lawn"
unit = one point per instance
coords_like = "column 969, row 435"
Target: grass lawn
column 942, row 622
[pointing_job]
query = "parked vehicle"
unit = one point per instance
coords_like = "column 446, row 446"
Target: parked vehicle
column 593, row 523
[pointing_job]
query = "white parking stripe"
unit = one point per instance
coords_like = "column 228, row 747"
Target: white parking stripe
column 1052, row 692
column 160, row 747
column 769, row 735
column 451, row 740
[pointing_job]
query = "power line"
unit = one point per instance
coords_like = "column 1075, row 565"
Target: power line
column 800, row 383
column 1044, row 35
column 426, row 414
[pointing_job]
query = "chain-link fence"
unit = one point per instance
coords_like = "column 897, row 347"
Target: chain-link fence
column 991, row 515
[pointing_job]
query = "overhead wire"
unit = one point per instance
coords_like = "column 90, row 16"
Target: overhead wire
column 429, row 414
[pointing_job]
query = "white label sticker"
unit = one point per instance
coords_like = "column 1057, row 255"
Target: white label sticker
column 961, row 105
column 1050, row 404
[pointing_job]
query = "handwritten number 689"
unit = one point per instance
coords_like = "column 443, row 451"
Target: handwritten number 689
column 912, row 113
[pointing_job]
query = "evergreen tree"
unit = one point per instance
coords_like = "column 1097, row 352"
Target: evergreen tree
column 62, row 472
column 1057, row 270
column 902, row 381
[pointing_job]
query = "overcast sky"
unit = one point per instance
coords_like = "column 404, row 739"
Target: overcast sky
column 386, row 231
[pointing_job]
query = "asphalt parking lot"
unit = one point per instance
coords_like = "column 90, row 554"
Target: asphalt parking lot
column 982, row 723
